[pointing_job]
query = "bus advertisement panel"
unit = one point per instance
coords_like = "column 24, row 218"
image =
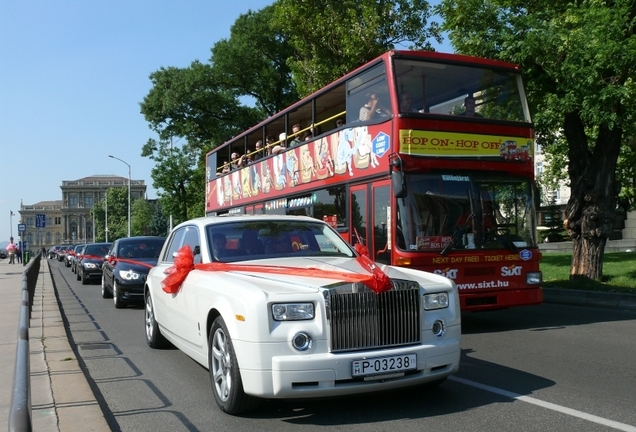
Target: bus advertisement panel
column 425, row 158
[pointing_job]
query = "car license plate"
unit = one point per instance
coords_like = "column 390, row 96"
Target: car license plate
column 384, row 365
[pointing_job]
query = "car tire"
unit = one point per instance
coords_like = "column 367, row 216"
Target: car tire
column 154, row 338
column 84, row 279
column 225, row 374
column 105, row 293
column 117, row 301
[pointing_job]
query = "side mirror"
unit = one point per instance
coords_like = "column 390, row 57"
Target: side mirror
column 397, row 181
column 396, row 169
column 197, row 250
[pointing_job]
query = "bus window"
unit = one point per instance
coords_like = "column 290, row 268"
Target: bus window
column 443, row 88
column 368, row 91
column 329, row 202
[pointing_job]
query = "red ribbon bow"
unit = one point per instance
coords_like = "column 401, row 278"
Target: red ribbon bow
column 377, row 281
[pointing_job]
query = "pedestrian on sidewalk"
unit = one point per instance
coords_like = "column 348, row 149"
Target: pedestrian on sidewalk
column 11, row 247
column 18, row 253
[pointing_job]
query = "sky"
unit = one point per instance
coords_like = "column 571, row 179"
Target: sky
column 72, row 76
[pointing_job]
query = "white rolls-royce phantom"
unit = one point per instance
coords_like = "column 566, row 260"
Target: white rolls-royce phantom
column 283, row 307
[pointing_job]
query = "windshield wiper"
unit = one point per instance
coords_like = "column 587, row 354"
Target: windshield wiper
column 458, row 232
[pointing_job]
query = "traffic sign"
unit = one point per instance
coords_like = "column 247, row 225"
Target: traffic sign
column 21, row 228
column 40, row 221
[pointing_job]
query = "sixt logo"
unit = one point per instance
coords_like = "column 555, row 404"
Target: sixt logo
column 511, row 270
column 447, row 272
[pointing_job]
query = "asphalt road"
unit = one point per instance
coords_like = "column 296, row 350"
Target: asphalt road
column 548, row 367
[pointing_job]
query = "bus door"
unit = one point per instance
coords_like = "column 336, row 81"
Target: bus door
column 370, row 218
column 380, row 247
column 358, row 200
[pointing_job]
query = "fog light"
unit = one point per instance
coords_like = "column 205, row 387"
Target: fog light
column 438, row 328
column 302, row 341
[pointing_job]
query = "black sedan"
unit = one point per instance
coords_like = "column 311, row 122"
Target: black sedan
column 89, row 263
column 126, row 267
column 78, row 255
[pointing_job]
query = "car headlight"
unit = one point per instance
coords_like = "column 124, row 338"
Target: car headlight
column 90, row 266
column 292, row 311
column 436, row 301
column 534, row 278
column 129, row 275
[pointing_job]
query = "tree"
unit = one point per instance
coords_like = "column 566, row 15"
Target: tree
column 578, row 63
column 253, row 62
column 141, row 215
column 201, row 105
column 179, row 179
column 191, row 103
column 159, row 223
column 117, row 199
column 332, row 37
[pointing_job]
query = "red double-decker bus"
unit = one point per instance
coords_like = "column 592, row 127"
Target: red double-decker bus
column 426, row 158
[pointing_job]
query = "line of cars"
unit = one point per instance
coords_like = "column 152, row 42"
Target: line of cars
column 281, row 307
column 121, row 266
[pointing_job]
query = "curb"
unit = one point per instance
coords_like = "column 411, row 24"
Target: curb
column 590, row 298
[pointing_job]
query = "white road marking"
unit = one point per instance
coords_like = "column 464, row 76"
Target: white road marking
column 548, row 405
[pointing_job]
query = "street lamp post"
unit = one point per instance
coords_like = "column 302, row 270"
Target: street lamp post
column 11, row 222
column 127, row 164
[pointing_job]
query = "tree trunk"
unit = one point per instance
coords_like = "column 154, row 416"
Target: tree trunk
column 591, row 209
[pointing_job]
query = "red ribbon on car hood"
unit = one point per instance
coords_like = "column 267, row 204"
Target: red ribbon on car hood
column 95, row 257
column 134, row 262
column 377, row 280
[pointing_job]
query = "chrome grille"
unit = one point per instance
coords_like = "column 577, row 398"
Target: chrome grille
column 360, row 319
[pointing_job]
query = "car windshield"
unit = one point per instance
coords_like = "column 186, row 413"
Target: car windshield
column 99, row 250
column 141, row 248
column 251, row 240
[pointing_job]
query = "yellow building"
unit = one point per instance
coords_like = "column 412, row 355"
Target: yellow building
column 68, row 220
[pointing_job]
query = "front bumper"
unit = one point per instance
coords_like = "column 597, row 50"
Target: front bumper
column 326, row 374
column 130, row 292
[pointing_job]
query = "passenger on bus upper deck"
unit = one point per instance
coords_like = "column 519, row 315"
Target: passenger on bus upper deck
column 373, row 108
column 469, row 106
column 225, row 168
column 259, row 152
column 296, row 136
column 282, row 145
column 406, row 103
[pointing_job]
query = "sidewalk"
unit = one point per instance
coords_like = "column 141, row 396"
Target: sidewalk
column 61, row 398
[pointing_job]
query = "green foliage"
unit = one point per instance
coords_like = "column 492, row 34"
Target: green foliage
column 253, row 62
column 179, row 178
column 626, row 175
column 333, row 37
column 141, row 214
column 159, row 223
column 577, row 59
column 117, row 214
column 190, row 103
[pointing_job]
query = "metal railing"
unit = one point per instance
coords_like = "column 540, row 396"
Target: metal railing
column 20, row 415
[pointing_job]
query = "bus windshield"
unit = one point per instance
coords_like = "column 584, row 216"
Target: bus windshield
column 433, row 88
column 445, row 212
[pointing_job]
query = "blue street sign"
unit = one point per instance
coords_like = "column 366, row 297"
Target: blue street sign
column 40, row 221
column 21, row 228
